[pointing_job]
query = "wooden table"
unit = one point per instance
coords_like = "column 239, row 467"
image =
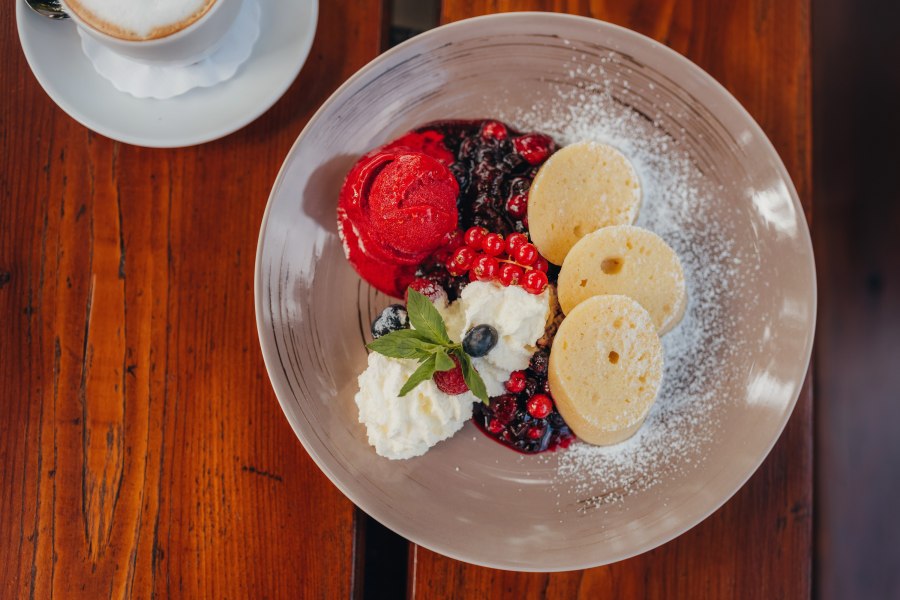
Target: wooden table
column 142, row 451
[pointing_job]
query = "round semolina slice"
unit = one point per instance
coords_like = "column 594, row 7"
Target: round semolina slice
column 581, row 188
column 630, row 261
column 605, row 368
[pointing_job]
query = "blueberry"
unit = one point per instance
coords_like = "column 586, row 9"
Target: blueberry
column 392, row 318
column 480, row 340
column 555, row 420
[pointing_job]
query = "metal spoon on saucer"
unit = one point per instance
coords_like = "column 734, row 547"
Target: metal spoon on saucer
column 48, row 8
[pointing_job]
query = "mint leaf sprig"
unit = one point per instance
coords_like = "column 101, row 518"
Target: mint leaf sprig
column 428, row 343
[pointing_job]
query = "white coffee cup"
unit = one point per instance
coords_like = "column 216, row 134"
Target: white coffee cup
column 185, row 46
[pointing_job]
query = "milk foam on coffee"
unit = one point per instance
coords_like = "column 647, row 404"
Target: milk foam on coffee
column 140, row 19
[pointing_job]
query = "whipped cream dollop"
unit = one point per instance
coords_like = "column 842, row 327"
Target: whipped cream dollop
column 519, row 317
column 408, row 426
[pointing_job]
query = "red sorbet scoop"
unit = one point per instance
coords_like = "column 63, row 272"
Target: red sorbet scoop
column 428, row 142
column 395, row 208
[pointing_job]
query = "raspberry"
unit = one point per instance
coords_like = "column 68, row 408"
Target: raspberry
column 427, row 288
column 504, row 408
column 452, row 381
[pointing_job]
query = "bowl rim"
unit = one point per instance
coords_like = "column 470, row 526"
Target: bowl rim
column 398, row 526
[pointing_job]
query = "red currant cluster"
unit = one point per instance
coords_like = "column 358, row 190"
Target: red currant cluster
column 488, row 256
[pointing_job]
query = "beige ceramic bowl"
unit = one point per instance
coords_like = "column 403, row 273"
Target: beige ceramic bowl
column 715, row 189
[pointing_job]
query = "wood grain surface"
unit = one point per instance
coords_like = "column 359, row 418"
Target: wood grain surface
column 759, row 545
column 858, row 338
column 142, row 450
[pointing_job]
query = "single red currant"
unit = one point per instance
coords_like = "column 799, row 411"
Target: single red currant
column 494, row 130
column 526, row 254
column 462, row 259
column 534, row 147
column 493, row 244
column 455, row 270
column 516, row 382
column 511, row 274
column 541, row 264
column 485, row 268
column 535, row 433
column 539, row 406
column 495, row 426
column 452, row 240
column 535, row 282
column 474, row 236
column 517, row 206
column 513, row 241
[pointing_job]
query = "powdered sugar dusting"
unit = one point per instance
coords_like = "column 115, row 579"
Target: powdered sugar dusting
column 699, row 352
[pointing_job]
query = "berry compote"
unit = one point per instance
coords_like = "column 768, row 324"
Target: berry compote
column 525, row 420
column 494, row 165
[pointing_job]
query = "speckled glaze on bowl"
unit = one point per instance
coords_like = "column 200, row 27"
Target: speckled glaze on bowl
column 470, row 498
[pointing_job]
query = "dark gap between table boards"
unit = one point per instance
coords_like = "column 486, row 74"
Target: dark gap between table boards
column 856, row 128
column 382, row 556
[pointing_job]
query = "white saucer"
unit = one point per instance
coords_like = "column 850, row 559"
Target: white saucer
column 53, row 51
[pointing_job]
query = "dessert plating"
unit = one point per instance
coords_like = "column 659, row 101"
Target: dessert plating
column 441, row 217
